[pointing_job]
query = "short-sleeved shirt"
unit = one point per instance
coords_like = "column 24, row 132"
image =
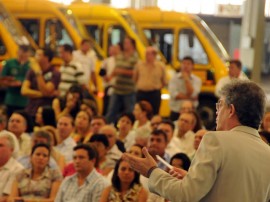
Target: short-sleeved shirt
column 50, row 75
column 8, row 173
column 71, row 74
column 13, row 96
column 124, row 84
column 39, row 188
column 150, row 77
column 91, row 190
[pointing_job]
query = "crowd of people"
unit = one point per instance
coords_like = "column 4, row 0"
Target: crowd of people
column 56, row 145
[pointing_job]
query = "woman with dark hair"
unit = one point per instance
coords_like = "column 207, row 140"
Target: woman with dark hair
column 143, row 113
column 180, row 160
column 70, row 104
column 45, row 116
column 125, row 186
column 39, row 182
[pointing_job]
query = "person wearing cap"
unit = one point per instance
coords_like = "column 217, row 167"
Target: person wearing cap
column 150, row 77
column 12, row 76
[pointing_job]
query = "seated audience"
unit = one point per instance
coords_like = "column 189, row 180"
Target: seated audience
column 89, row 106
column 143, row 112
column 114, row 153
column 70, row 103
column 180, row 160
column 65, row 127
column 155, row 121
column 20, row 124
column 125, row 132
column 9, row 167
column 125, row 185
column 82, row 132
column 86, row 184
column 101, row 143
column 38, row 182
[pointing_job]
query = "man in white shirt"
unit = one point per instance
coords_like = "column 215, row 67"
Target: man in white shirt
column 65, row 126
column 183, row 86
column 235, row 72
column 185, row 136
column 86, row 56
column 9, row 167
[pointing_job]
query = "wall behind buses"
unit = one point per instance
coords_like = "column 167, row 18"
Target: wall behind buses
column 109, row 26
column 48, row 26
column 178, row 35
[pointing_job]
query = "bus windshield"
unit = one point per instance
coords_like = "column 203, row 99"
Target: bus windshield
column 133, row 25
column 12, row 26
column 79, row 28
column 213, row 40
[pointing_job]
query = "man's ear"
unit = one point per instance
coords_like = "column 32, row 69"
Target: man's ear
column 232, row 111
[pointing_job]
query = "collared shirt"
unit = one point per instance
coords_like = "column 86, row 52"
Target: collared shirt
column 185, row 143
column 150, row 77
column 167, row 158
column 24, row 145
column 7, row 175
column 38, row 188
column 226, row 80
column 87, row 61
column 25, row 161
column 66, row 148
column 91, row 190
column 177, row 85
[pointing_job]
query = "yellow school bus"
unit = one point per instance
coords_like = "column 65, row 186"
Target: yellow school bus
column 178, row 35
column 51, row 25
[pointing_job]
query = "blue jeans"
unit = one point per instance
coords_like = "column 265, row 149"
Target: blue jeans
column 119, row 104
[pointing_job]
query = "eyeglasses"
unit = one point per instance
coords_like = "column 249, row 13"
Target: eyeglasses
column 219, row 104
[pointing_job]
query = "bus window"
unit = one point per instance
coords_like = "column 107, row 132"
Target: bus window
column 3, row 49
column 56, row 35
column 189, row 45
column 162, row 39
column 116, row 35
column 32, row 27
column 96, row 32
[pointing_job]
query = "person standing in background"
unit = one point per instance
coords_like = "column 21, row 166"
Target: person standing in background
column 106, row 71
column 123, row 98
column 150, row 77
column 12, row 76
column 86, row 56
column 184, row 86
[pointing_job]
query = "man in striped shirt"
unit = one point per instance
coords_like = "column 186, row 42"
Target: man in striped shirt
column 123, row 97
column 71, row 71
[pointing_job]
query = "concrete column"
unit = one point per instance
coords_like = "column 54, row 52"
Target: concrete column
column 252, row 35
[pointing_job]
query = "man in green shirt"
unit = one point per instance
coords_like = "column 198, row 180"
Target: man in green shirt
column 12, row 76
